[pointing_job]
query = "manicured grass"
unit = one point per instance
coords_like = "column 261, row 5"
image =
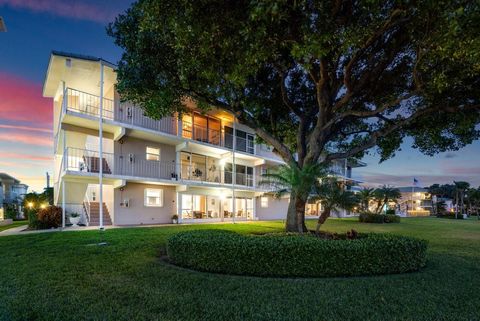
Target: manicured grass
column 61, row 276
column 14, row 224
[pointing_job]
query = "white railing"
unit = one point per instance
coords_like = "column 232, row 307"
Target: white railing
column 88, row 161
column 86, row 207
column 88, row 104
column 128, row 114
column 124, row 112
column 201, row 133
column 241, row 145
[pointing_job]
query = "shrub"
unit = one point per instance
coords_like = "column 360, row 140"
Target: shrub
column 49, row 217
column 32, row 216
column 11, row 212
column 390, row 211
column 450, row 215
column 287, row 255
column 378, row 218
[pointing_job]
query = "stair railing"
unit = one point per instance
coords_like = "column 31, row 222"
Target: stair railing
column 86, row 207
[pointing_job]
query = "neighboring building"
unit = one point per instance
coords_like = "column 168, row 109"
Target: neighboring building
column 202, row 167
column 12, row 193
column 415, row 201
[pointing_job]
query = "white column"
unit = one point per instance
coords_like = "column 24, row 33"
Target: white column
column 60, row 179
column 100, row 149
column 179, row 207
column 234, row 169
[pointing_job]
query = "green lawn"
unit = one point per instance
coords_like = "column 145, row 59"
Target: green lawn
column 61, row 276
column 14, row 224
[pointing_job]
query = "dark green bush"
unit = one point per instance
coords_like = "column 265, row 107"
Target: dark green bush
column 49, row 217
column 450, row 215
column 390, row 211
column 378, row 218
column 295, row 255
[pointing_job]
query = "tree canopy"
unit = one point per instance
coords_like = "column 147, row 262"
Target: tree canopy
column 318, row 80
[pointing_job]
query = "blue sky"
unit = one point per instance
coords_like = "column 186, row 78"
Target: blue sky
column 36, row 27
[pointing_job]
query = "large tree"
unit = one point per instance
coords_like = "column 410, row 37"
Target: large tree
column 318, row 80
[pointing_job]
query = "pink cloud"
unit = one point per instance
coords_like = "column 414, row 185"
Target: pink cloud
column 28, row 157
column 21, row 100
column 24, row 138
column 28, row 128
column 68, row 9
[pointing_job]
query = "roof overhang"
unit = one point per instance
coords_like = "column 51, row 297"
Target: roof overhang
column 78, row 71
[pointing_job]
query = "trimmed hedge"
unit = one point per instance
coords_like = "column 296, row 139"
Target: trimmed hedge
column 450, row 215
column 294, row 255
column 378, row 218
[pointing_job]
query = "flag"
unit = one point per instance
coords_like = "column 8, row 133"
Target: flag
column 416, row 182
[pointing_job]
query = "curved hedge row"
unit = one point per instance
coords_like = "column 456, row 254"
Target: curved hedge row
column 378, row 218
column 295, row 255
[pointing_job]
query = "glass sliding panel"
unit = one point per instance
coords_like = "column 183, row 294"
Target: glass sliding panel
column 250, row 208
column 214, row 172
column 250, row 144
column 241, row 140
column 187, row 129
column 240, row 174
column 199, row 205
column 213, row 207
column 249, row 177
column 199, row 167
column 214, row 131
column 187, row 206
column 228, row 173
column 228, row 137
column 200, row 126
column 186, row 168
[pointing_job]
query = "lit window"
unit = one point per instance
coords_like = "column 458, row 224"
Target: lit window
column 263, row 201
column 153, row 197
column 153, row 154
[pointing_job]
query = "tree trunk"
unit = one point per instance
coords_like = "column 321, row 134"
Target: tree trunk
column 296, row 215
column 321, row 219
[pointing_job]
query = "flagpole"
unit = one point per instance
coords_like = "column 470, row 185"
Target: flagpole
column 413, row 191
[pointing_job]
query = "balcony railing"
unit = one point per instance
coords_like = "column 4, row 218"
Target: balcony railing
column 77, row 101
column 88, row 161
column 126, row 113
column 88, row 104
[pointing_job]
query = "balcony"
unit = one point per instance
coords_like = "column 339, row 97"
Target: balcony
column 199, row 128
column 88, row 161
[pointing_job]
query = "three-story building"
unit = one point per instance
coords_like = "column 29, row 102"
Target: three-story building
column 111, row 157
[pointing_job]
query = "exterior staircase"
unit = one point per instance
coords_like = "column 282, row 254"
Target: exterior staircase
column 94, row 219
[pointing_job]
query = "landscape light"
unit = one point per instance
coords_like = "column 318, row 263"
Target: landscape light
column 30, row 204
column 43, row 206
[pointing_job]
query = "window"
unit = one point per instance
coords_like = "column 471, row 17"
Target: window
column 153, row 154
column 153, row 197
column 263, row 201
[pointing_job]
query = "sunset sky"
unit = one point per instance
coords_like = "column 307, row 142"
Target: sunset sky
column 36, row 27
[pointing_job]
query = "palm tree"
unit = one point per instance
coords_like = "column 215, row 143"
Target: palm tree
column 333, row 197
column 386, row 194
column 290, row 179
column 365, row 196
column 460, row 188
